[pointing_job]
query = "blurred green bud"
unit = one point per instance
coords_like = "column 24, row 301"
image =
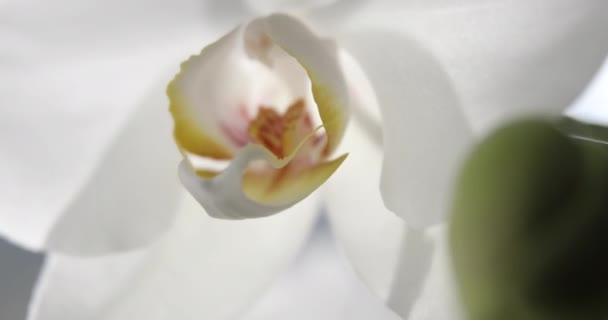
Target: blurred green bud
column 529, row 231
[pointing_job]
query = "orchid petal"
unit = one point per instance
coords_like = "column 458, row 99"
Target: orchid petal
column 49, row 152
column 505, row 58
column 370, row 234
column 400, row 265
column 132, row 196
column 439, row 298
column 72, row 73
column 262, row 57
column 215, row 93
column 203, row 268
column 261, row 7
column 321, row 61
column 493, row 60
column 354, row 203
column 425, row 134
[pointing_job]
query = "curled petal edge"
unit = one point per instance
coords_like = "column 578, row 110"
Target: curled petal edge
column 224, row 197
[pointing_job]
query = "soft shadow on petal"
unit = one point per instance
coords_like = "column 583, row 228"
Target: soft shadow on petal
column 320, row 285
column 415, row 259
column 506, row 58
column 425, row 134
column 132, row 196
column 392, row 260
column 225, row 13
column 333, row 14
column 57, row 122
column 203, row 268
column 65, row 29
column 71, row 73
column 261, row 7
column 439, row 297
column 369, row 233
column 82, row 288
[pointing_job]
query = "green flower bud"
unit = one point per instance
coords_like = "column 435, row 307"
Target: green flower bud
column 529, row 231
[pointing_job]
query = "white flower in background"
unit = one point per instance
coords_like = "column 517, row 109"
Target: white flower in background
column 88, row 163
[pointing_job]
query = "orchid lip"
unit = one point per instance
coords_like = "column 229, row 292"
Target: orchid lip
column 257, row 115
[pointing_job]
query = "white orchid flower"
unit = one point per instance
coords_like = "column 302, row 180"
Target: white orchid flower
column 89, row 163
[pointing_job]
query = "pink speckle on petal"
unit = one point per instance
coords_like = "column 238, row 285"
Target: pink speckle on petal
column 244, row 114
column 236, row 130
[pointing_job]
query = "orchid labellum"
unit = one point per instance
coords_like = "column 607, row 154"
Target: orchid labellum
column 247, row 99
column 260, row 116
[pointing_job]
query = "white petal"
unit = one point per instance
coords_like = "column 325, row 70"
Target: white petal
column 71, row 73
column 132, row 196
column 217, row 92
column 425, row 134
column 203, row 268
column 493, row 60
column 505, row 58
column 320, row 57
column 370, row 233
column 354, row 203
column 270, row 6
column 393, row 261
column 439, row 298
